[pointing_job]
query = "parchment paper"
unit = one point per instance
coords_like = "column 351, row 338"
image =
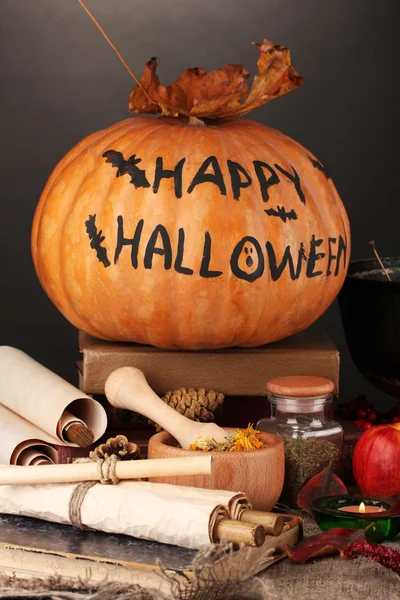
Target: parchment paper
column 22, row 443
column 234, row 502
column 151, row 511
column 45, row 399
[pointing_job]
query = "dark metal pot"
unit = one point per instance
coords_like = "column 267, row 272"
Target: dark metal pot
column 370, row 308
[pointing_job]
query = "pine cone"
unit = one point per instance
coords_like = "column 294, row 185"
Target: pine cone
column 196, row 405
column 120, row 446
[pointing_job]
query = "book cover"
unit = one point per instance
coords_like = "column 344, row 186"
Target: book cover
column 232, row 371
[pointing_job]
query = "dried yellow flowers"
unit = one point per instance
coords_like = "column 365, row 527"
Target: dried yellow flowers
column 239, row 440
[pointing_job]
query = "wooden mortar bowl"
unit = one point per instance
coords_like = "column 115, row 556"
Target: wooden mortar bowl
column 257, row 473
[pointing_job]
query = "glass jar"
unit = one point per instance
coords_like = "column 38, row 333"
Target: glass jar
column 299, row 416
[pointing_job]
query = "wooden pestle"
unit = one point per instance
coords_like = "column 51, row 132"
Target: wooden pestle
column 127, row 388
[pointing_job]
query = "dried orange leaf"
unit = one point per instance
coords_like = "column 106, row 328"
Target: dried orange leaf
column 220, row 93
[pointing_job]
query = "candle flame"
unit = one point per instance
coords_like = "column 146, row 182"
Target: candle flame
column 361, row 508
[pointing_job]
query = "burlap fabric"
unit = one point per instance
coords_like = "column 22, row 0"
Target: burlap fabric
column 323, row 579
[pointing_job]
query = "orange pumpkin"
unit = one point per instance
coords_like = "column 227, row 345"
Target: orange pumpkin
column 190, row 232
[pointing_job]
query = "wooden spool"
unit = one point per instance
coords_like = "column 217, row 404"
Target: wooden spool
column 271, row 522
column 77, row 433
column 238, row 532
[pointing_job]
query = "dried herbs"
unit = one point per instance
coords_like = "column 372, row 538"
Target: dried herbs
column 304, row 457
column 239, row 440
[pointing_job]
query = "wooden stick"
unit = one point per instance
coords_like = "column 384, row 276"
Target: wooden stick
column 379, row 260
column 272, row 522
column 130, row 469
column 117, row 52
column 78, row 433
column 238, row 532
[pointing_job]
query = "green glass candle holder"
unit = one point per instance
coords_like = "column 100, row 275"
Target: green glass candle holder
column 328, row 513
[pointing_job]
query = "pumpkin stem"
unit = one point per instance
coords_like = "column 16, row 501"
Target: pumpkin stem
column 196, row 122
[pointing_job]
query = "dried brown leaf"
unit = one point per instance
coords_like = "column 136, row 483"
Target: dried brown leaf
column 220, row 93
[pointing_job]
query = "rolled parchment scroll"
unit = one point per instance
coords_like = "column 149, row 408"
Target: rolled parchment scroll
column 46, row 405
column 234, row 502
column 153, row 511
column 22, row 443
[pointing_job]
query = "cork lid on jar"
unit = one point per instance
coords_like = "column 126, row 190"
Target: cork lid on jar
column 300, row 386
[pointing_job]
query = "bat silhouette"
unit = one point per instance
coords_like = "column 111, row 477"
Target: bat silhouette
column 282, row 214
column 127, row 167
column 97, row 238
column 315, row 163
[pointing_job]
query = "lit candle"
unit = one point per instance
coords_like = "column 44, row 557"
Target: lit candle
column 332, row 512
column 362, row 508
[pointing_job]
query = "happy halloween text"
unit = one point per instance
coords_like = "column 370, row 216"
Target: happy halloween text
column 307, row 258
column 210, row 171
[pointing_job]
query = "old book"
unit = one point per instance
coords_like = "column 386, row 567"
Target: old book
column 32, row 548
column 233, row 371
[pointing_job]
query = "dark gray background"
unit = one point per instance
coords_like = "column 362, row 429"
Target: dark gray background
column 60, row 81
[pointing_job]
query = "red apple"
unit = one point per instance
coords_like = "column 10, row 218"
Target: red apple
column 376, row 460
